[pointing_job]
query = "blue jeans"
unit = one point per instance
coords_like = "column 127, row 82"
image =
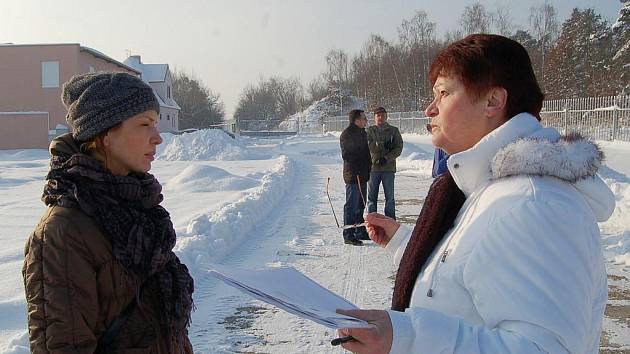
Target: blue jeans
column 353, row 210
column 387, row 178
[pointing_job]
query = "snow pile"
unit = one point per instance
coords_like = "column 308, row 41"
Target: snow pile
column 202, row 178
column 312, row 117
column 19, row 344
column 615, row 231
column 209, row 144
column 416, row 158
column 210, row 237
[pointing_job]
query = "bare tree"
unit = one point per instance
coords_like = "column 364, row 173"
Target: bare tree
column 544, row 27
column 337, row 68
column 502, row 21
column 374, row 50
column 417, row 31
column 317, row 89
column 264, row 105
column 417, row 37
column 475, row 19
column 453, row 35
column 289, row 95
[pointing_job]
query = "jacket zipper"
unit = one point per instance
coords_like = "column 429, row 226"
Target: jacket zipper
column 442, row 259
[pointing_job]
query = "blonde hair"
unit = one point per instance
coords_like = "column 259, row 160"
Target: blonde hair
column 94, row 148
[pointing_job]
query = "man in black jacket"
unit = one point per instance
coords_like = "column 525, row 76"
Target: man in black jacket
column 356, row 163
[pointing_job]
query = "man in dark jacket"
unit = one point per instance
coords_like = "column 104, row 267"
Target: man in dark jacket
column 356, row 172
column 386, row 145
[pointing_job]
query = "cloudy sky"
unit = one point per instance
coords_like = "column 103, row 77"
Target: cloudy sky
column 229, row 44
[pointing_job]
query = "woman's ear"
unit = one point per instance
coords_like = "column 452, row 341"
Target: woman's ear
column 497, row 101
column 104, row 140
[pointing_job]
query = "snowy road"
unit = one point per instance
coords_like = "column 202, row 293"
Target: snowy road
column 301, row 233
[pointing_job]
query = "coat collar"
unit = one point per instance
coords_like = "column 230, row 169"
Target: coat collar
column 354, row 128
column 471, row 168
column 522, row 146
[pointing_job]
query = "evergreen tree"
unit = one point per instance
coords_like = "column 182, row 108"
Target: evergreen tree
column 621, row 49
column 200, row 107
column 579, row 64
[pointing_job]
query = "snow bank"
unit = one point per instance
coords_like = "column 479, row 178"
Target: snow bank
column 19, row 344
column 202, row 178
column 209, row 144
column 210, row 237
column 615, row 234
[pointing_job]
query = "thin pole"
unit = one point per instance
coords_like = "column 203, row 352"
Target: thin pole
column 330, row 201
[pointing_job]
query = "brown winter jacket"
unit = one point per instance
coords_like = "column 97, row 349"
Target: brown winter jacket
column 75, row 290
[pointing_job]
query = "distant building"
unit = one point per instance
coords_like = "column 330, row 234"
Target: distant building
column 31, row 78
column 159, row 77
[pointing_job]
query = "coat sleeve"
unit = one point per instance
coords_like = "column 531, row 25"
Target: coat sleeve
column 61, row 292
column 532, row 280
column 397, row 148
column 398, row 243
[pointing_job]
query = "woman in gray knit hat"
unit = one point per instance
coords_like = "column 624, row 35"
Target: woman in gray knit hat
column 99, row 271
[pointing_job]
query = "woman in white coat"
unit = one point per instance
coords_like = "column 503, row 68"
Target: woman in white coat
column 505, row 256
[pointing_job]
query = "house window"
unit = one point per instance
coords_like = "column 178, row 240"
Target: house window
column 168, row 117
column 91, row 69
column 168, row 91
column 160, row 116
column 50, row 74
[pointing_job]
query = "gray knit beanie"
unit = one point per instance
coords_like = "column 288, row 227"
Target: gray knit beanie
column 99, row 101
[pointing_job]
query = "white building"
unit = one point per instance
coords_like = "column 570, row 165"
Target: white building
column 159, row 77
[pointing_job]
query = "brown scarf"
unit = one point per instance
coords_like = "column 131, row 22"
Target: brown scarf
column 439, row 211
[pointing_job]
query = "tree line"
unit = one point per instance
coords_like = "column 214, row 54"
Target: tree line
column 583, row 56
column 200, row 107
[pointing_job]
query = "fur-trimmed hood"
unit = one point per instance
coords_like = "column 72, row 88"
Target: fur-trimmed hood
column 522, row 146
column 570, row 158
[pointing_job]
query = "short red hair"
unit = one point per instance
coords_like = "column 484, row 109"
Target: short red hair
column 484, row 61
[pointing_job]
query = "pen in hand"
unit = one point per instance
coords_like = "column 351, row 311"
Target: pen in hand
column 338, row 341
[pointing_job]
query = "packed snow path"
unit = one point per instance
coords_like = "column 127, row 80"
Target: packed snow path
column 300, row 232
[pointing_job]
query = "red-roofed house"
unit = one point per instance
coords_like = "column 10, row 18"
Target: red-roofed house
column 31, row 78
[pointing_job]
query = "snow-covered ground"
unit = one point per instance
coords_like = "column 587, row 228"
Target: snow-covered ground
column 258, row 202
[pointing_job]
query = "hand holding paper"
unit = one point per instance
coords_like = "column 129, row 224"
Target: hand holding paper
column 293, row 292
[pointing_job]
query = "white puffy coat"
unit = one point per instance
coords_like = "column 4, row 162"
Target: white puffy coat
column 522, row 270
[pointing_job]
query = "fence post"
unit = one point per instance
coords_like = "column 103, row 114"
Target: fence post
column 615, row 123
column 565, row 123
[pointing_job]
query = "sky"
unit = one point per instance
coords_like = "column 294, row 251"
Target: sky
column 230, row 44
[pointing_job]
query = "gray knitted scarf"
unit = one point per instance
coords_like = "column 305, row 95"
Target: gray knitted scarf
column 127, row 210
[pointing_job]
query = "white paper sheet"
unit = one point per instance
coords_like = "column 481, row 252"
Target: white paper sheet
column 292, row 291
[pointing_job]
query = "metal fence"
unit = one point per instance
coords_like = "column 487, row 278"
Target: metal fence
column 407, row 122
column 600, row 118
